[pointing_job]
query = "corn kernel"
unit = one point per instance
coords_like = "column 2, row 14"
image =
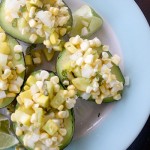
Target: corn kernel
column 18, row 49
column 56, row 87
column 18, row 131
column 47, row 43
column 44, row 136
column 14, row 88
column 65, row 82
column 33, row 38
column 9, row 95
column 54, row 79
column 26, row 87
column 28, row 103
column 37, row 60
column 17, row 56
column 70, row 47
column 13, row 118
column 61, row 107
column 63, row 131
column 19, row 100
column 10, row 64
column 20, row 68
column 63, row 31
column 28, row 60
column 54, row 38
column 98, row 100
column 6, row 74
column 32, row 12
column 54, row 139
column 2, row 94
column 1, row 30
column 72, row 93
column 32, row 23
column 71, row 87
column 57, row 47
column 63, row 114
column 5, row 48
column 37, row 3
column 2, row 37
column 54, row 11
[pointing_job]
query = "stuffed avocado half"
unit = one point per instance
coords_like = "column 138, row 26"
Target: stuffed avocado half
column 36, row 21
column 44, row 118
column 89, row 66
column 12, row 69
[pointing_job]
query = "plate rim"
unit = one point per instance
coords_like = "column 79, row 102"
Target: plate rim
column 134, row 13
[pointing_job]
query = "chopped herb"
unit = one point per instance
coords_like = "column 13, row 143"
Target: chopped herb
column 14, row 23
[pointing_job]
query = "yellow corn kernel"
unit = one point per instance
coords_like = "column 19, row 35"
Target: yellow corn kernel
column 57, row 48
column 52, row 2
column 47, row 43
column 14, row 74
column 70, row 47
column 22, row 23
column 18, row 131
column 61, row 107
column 10, row 77
column 19, row 100
column 20, row 68
column 28, row 5
column 62, row 114
column 37, row 3
column 32, row 23
column 2, row 37
column 1, row 30
column 28, row 60
column 26, row 16
column 14, row 88
column 54, row 38
column 48, row 55
column 71, row 87
column 54, row 11
column 10, row 64
column 63, row 31
column 32, row 12
column 13, row 117
column 37, row 54
column 4, row 48
column 9, row 95
column 72, row 93
column 33, row 38
column 37, row 60
column 6, row 74
column 26, row 87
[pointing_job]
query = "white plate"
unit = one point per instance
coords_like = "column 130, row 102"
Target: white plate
column 127, row 33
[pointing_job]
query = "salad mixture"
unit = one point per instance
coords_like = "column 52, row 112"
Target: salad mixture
column 40, row 103
column 88, row 65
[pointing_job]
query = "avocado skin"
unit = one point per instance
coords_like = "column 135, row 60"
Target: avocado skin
column 8, row 101
column 71, row 120
column 63, row 56
column 14, row 32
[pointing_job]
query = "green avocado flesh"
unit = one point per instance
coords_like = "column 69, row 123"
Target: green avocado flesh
column 12, row 42
column 68, row 122
column 63, row 71
column 14, row 31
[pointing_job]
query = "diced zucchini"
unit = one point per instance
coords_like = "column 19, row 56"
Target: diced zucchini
column 50, row 127
column 81, row 83
column 25, row 94
column 48, row 55
column 43, row 101
column 31, row 80
column 58, row 99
